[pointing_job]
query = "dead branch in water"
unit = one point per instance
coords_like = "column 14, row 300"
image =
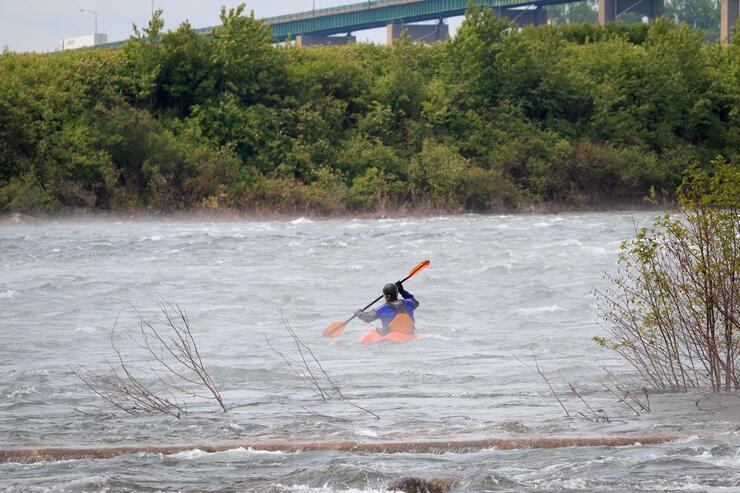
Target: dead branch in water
column 171, row 345
column 598, row 415
column 621, row 398
column 696, row 403
column 311, row 372
column 180, row 345
column 629, row 394
column 547, row 381
column 621, row 392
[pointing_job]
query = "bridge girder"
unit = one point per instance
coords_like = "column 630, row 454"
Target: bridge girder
column 380, row 13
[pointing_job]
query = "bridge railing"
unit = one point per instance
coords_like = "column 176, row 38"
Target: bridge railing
column 313, row 14
column 341, row 9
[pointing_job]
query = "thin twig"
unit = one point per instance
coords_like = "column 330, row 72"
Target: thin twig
column 597, row 417
column 318, row 379
column 620, row 398
column 173, row 348
column 547, row 381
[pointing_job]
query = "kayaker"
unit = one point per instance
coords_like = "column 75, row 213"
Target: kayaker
column 396, row 315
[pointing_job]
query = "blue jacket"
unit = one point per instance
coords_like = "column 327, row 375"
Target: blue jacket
column 388, row 311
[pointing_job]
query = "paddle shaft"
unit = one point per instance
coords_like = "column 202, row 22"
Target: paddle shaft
column 375, row 300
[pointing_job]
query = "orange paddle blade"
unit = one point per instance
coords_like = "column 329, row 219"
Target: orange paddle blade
column 420, row 266
column 335, row 329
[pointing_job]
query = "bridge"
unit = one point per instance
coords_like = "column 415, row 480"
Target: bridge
column 321, row 26
column 381, row 13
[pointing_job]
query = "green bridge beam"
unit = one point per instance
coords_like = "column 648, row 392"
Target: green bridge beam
column 373, row 14
column 369, row 15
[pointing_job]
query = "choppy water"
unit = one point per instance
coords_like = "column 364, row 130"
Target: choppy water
column 499, row 287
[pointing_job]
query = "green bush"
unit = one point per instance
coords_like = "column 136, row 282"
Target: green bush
column 671, row 309
column 23, row 193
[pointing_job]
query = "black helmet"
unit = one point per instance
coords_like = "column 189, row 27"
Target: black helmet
column 390, row 290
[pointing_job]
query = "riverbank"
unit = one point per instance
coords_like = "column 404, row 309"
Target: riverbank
column 228, row 214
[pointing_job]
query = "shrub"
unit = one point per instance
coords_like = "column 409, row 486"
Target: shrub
column 24, row 194
column 437, row 175
column 673, row 309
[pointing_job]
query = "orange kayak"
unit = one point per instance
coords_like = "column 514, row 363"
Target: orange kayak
column 372, row 336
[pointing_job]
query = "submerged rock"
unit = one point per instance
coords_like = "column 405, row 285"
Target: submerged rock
column 420, row 485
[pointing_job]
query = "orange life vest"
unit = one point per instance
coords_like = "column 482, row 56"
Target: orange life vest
column 402, row 322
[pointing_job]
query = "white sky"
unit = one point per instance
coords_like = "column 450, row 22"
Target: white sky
column 40, row 25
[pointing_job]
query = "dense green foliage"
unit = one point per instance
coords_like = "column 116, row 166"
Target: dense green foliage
column 496, row 118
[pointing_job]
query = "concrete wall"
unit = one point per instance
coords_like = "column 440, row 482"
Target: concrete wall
column 83, row 41
column 728, row 15
column 424, row 33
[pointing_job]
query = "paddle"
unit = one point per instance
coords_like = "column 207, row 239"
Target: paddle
column 338, row 327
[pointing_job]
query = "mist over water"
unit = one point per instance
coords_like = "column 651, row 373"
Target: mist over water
column 499, row 287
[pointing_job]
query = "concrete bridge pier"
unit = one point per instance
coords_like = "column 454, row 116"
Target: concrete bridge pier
column 303, row 40
column 522, row 17
column 610, row 10
column 424, row 33
column 729, row 10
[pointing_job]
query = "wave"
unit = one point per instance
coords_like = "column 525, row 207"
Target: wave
column 86, row 329
column 197, row 453
column 539, row 309
column 25, row 390
column 8, row 294
column 302, row 220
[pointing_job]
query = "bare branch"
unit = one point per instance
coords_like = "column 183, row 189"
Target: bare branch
column 539, row 372
column 170, row 345
column 318, row 380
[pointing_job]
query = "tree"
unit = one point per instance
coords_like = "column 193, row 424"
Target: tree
column 673, row 308
column 187, row 77
column 141, row 65
column 245, row 62
column 574, row 13
column 400, row 89
column 471, row 61
column 699, row 14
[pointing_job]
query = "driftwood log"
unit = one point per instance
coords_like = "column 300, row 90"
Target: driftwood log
column 428, row 447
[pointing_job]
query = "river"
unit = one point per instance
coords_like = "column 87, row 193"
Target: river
column 499, row 289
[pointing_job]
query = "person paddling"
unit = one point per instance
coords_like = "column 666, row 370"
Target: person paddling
column 400, row 311
column 396, row 315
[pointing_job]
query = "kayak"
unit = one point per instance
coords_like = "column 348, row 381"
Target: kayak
column 372, row 336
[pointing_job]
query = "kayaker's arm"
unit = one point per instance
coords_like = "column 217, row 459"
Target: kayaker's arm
column 368, row 316
column 406, row 295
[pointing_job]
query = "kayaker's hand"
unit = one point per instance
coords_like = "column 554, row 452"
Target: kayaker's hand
column 400, row 287
column 357, row 313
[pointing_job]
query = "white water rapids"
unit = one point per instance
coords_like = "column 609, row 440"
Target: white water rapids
column 499, row 287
